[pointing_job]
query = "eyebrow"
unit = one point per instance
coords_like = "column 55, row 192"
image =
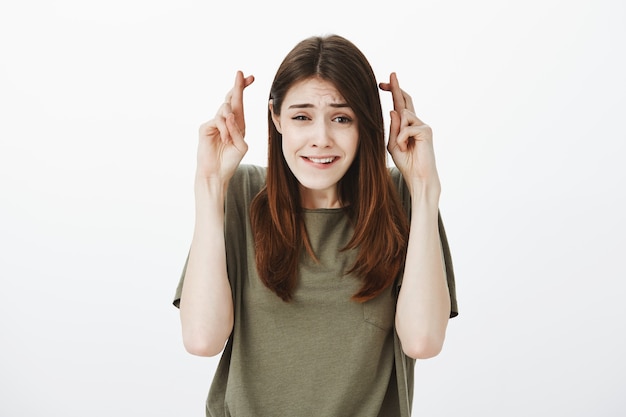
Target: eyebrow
column 308, row 106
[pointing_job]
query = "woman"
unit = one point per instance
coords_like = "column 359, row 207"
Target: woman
column 327, row 273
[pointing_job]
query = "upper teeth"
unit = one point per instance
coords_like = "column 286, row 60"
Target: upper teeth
column 322, row 160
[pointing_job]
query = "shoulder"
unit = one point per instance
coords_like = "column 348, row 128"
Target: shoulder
column 247, row 181
column 398, row 181
column 249, row 172
column 244, row 185
column 396, row 175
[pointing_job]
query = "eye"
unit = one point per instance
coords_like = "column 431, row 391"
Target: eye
column 342, row 119
column 300, row 117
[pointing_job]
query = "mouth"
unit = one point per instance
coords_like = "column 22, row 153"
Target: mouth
column 321, row 160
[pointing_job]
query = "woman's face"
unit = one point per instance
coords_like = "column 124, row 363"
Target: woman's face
column 320, row 139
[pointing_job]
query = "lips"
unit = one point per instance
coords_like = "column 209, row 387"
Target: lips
column 321, row 160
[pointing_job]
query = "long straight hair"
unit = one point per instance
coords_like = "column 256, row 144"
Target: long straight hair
column 366, row 191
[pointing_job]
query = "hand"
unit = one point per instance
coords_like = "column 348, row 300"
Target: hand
column 410, row 140
column 221, row 145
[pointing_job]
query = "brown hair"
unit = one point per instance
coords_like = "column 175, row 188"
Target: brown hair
column 366, row 191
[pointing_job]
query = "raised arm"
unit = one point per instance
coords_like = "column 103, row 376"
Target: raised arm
column 206, row 306
column 423, row 306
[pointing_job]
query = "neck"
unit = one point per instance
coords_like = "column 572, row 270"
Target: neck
column 320, row 199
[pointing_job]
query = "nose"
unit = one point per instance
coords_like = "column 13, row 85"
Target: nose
column 322, row 135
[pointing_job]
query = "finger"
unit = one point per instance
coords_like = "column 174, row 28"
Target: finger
column 235, row 95
column 412, row 129
column 236, row 99
column 223, row 129
column 399, row 103
column 236, row 134
column 410, row 135
column 411, row 118
column 385, row 86
column 220, row 122
column 408, row 101
column 402, row 139
column 401, row 99
column 394, row 131
column 207, row 128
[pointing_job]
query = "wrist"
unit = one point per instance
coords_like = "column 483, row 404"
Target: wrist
column 425, row 191
column 213, row 185
column 210, row 195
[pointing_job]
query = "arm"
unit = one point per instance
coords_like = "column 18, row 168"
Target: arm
column 206, row 306
column 423, row 306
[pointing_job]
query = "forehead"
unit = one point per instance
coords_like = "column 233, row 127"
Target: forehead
column 314, row 91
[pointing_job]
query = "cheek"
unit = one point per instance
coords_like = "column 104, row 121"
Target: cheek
column 285, row 143
column 353, row 146
column 290, row 140
column 288, row 148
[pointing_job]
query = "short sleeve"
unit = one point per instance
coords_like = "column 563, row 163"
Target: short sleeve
column 447, row 259
column 243, row 187
column 405, row 198
column 179, row 287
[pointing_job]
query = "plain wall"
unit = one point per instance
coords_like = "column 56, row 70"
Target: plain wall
column 100, row 103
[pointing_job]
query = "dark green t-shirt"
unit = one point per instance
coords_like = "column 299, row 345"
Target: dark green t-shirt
column 321, row 354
